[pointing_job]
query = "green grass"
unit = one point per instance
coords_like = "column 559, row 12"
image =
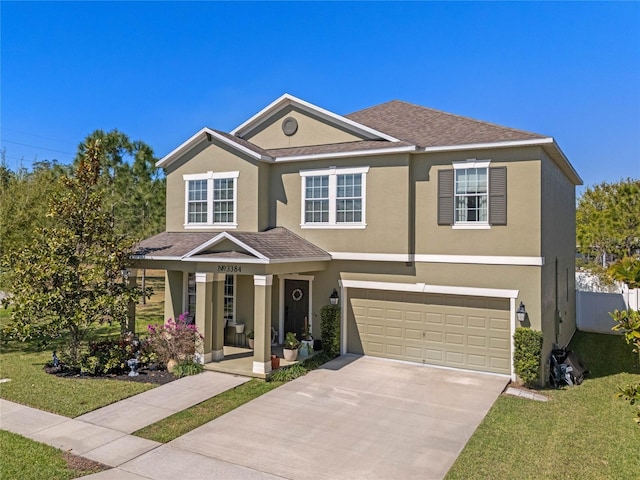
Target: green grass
column 182, row 422
column 23, row 363
column 583, row 432
column 24, row 458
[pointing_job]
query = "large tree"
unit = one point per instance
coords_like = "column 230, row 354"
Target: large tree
column 68, row 278
column 134, row 187
column 24, row 196
column 608, row 221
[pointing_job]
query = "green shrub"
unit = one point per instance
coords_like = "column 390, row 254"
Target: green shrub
column 288, row 373
column 527, row 354
column 330, row 329
column 108, row 356
column 187, row 367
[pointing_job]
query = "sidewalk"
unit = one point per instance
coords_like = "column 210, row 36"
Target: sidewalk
column 104, row 434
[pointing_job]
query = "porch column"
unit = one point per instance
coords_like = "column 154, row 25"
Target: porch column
column 217, row 344
column 262, row 323
column 204, row 314
column 131, row 308
column 173, row 293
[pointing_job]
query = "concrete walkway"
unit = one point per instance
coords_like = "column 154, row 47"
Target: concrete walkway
column 104, row 434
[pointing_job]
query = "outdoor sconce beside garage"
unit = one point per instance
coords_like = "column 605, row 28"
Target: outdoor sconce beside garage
column 521, row 313
column 333, row 298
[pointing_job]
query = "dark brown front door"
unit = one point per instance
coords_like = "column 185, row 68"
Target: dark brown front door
column 296, row 306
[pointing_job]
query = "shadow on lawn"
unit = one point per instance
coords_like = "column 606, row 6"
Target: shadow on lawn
column 604, row 354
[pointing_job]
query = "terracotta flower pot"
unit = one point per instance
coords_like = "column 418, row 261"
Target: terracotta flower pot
column 275, row 362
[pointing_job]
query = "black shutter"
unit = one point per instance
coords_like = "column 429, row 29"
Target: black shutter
column 498, row 196
column 445, row 197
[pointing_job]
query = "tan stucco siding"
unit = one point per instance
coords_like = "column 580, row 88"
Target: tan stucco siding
column 525, row 279
column 520, row 237
column 311, row 131
column 387, row 200
column 558, row 229
column 211, row 157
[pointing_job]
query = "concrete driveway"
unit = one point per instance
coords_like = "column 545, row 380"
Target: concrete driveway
column 356, row 418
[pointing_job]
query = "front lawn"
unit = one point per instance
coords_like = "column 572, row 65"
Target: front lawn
column 27, row 459
column 23, row 364
column 583, row 432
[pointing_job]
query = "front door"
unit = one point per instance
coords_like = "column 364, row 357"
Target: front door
column 296, row 306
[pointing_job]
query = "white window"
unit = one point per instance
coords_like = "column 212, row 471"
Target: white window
column 334, row 198
column 471, row 191
column 229, row 297
column 211, row 199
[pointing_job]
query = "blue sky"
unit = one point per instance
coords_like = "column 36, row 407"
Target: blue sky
column 160, row 71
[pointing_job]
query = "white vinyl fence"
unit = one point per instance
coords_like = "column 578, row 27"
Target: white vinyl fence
column 593, row 307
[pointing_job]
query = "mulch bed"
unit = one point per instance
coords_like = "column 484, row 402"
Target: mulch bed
column 157, row 377
column 83, row 465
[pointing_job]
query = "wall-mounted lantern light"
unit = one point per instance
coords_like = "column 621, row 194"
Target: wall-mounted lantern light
column 521, row 313
column 333, row 298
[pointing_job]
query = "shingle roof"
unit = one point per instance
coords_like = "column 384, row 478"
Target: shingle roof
column 274, row 244
column 335, row 148
column 426, row 127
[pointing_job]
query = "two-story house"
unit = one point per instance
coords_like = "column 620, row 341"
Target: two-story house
column 432, row 228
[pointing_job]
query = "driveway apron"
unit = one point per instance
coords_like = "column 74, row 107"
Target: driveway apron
column 357, row 417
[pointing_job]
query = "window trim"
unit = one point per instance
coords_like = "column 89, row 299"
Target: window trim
column 332, row 173
column 466, row 165
column 210, row 177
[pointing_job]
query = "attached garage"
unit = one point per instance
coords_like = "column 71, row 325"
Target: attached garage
column 469, row 332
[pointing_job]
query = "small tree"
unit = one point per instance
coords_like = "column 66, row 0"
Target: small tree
column 68, row 278
column 627, row 270
column 527, row 354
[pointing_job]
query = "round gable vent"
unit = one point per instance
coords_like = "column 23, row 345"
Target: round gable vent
column 289, row 126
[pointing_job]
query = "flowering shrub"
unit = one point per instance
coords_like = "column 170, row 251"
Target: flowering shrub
column 176, row 340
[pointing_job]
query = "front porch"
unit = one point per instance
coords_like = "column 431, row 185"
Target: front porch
column 239, row 361
column 226, row 279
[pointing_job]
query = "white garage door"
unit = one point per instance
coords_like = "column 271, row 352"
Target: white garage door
column 454, row 331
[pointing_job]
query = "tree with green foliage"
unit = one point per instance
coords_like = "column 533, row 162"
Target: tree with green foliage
column 608, row 221
column 133, row 187
column 68, row 279
column 627, row 270
column 24, row 196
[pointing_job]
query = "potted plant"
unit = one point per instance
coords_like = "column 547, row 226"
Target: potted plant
column 307, row 340
column 250, row 337
column 291, row 346
column 239, row 327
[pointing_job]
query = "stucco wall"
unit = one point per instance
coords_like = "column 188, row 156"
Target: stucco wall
column 209, row 156
column 311, row 131
column 520, row 237
column 558, row 227
column 387, row 199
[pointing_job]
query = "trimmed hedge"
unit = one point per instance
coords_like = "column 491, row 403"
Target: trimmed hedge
column 330, row 329
column 527, row 354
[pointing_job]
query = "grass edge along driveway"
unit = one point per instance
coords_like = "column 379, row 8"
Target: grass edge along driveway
column 583, row 432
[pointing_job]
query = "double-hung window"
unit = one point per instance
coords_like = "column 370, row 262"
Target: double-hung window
column 334, row 197
column 211, row 199
column 472, row 195
column 471, row 192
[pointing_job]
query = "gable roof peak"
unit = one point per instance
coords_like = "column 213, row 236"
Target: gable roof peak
column 287, row 99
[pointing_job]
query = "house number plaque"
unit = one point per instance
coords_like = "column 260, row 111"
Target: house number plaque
column 229, row 269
